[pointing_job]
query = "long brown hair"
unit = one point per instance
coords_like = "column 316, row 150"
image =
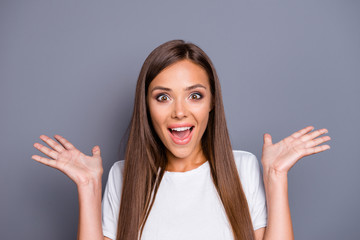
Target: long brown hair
column 145, row 159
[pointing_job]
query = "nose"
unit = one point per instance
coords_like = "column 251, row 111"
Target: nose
column 179, row 109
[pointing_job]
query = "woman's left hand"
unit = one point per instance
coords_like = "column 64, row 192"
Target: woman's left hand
column 278, row 158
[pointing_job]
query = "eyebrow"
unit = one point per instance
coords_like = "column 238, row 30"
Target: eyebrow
column 186, row 89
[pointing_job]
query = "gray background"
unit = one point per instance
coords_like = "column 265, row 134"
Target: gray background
column 70, row 68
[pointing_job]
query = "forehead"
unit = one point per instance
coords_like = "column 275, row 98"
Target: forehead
column 181, row 74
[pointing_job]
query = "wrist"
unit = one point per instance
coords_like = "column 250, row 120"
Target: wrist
column 273, row 172
column 92, row 184
column 273, row 176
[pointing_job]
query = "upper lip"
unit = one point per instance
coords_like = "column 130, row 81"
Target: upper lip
column 178, row 125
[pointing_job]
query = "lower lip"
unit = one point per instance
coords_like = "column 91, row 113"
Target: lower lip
column 181, row 141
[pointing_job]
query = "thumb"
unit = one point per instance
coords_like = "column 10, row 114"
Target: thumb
column 267, row 139
column 96, row 151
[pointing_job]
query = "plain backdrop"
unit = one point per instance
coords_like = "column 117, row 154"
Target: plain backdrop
column 70, row 68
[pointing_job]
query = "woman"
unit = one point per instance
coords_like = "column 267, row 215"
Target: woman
column 180, row 178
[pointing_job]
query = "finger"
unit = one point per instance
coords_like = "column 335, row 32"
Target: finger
column 96, row 151
column 267, row 139
column 310, row 151
column 299, row 133
column 64, row 142
column 52, row 143
column 47, row 151
column 313, row 134
column 45, row 161
column 317, row 141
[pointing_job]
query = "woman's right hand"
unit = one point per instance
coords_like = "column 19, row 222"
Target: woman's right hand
column 80, row 168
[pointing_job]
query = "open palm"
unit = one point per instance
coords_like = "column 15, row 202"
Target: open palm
column 281, row 156
column 76, row 165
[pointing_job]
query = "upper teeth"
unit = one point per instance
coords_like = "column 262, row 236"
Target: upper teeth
column 181, row 129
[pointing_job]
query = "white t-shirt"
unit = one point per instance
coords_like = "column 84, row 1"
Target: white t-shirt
column 187, row 205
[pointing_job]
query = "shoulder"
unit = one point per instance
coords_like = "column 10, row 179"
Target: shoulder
column 115, row 176
column 244, row 159
column 241, row 154
column 117, row 168
column 248, row 168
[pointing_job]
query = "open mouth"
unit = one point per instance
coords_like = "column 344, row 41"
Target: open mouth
column 181, row 132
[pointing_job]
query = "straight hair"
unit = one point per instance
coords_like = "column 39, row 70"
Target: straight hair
column 145, row 154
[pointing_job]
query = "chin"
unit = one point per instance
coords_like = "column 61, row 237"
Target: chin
column 180, row 153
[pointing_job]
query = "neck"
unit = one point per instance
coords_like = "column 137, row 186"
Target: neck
column 194, row 160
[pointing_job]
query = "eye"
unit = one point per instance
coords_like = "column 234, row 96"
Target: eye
column 162, row 98
column 195, row 96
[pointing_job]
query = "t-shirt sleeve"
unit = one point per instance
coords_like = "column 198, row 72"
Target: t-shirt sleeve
column 253, row 186
column 111, row 200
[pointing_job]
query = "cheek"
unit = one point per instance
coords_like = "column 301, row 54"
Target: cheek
column 203, row 118
column 156, row 119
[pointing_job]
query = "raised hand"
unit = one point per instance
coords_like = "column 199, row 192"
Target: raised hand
column 280, row 157
column 65, row 157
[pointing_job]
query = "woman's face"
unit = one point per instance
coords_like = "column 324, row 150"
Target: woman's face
column 179, row 101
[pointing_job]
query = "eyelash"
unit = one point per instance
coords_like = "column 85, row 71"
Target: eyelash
column 200, row 96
